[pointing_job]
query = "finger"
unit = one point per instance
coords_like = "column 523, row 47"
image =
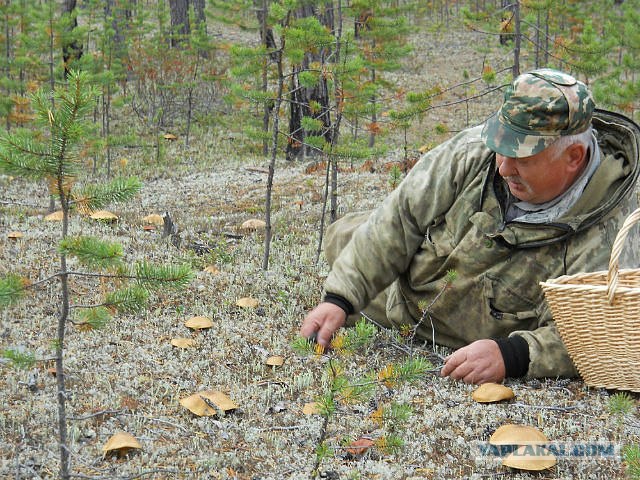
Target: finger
column 462, row 370
column 310, row 325
column 328, row 328
column 448, row 367
column 452, row 362
column 325, row 333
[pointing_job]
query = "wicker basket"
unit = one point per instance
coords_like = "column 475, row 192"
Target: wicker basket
column 598, row 317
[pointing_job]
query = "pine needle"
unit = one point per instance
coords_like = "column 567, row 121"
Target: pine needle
column 128, row 300
column 92, row 252
column 11, row 290
column 163, row 276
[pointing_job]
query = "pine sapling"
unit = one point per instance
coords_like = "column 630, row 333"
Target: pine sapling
column 340, row 389
column 631, row 458
column 425, row 307
column 52, row 152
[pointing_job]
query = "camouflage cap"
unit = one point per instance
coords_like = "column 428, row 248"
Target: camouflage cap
column 540, row 106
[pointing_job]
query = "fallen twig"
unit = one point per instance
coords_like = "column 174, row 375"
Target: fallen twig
column 157, row 420
column 98, row 414
column 545, row 407
column 22, row 204
column 257, row 169
column 139, row 475
column 290, row 427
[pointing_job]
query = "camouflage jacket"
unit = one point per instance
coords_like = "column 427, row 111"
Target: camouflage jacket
column 446, row 215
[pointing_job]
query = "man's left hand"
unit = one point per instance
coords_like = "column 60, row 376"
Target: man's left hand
column 480, row 362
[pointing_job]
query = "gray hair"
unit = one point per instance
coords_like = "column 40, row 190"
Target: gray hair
column 583, row 138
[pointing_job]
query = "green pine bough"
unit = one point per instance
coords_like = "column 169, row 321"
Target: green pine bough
column 340, row 389
column 51, row 151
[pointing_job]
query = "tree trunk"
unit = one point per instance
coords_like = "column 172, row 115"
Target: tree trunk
column 335, row 128
column 266, row 39
column 63, row 437
column 506, row 24
column 331, row 180
column 516, row 49
column 7, row 69
column 537, row 39
column 198, row 10
column 117, row 16
column 274, row 151
column 546, row 37
column 180, row 26
column 71, row 47
column 301, row 97
column 361, row 21
column 374, row 116
column 266, row 32
column 297, row 110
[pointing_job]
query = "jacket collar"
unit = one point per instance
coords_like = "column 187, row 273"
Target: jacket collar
column 612, row 182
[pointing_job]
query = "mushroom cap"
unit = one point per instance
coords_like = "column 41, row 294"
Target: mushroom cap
column 54, row 217
column 199, row 323
column 204, row 403
column 103, row 215
column 182, row 342
column 492, row 392
column 517, row 435
column 247, row 302
column 153, row 219
column 275, row 361
column 530, row 457
column 121, row 441
column 254, row 224
column 311, row 408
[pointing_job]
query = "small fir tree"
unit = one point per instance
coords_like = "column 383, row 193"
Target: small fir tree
column 52, row 153
column 619, row 88
column 381, row 27
column 588, row 53
column 340, row 389
column 273, row 74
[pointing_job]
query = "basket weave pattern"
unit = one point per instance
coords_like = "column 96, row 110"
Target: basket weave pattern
column 598, row 317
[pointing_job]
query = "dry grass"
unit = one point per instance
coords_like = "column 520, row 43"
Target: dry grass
column 128, row 376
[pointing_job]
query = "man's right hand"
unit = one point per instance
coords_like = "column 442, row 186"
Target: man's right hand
column 324, row 320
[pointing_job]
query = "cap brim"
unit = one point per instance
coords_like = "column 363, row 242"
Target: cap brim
column 505, row 140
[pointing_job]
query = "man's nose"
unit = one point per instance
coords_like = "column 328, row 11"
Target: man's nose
column 506, row 166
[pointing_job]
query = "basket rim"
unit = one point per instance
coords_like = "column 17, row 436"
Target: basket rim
column 567, row 279
column 589, row 288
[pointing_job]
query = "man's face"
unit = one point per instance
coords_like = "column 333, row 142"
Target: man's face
column 540, row 177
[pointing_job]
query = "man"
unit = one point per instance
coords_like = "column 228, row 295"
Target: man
column 540, row 190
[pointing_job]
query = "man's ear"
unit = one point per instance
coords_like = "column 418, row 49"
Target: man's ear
column 576, row 156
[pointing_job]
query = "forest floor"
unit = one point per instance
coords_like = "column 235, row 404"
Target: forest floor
column 128, row 376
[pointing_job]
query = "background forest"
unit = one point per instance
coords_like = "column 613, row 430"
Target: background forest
column 329, row 69
column 225, row 136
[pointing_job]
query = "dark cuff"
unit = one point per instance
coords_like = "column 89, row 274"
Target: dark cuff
column 515, row 353
column 341, row 302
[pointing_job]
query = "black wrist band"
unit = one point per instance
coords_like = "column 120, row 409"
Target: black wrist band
column 515, row 353
column 343, row 303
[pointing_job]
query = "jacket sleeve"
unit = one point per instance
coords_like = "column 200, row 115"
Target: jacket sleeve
column 383, row 247
column 548, row 356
